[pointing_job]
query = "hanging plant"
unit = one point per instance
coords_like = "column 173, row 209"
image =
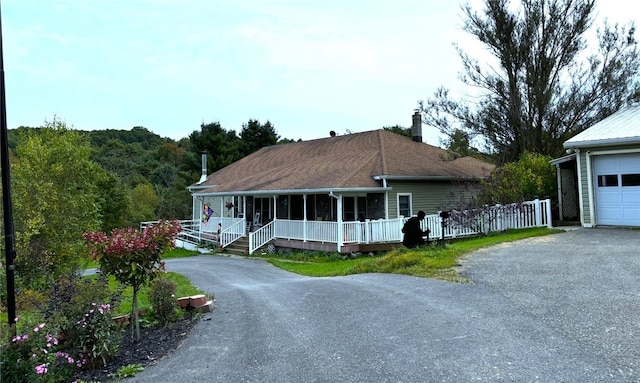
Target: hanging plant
column 228, row 205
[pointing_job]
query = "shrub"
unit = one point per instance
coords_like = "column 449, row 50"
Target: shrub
column 29, row 300
column 35, row 357
column 99, row 337
column 69, row 298
column 163, row 301
column 530, row 177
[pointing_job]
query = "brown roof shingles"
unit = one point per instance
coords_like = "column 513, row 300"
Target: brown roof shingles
column 349, row 161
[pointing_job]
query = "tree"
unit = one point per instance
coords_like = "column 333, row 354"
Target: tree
column 144, row 202
column 114, row 201
column 255, row 136
column 221, row 146
column 133, row 256
column 397, row 129
column 56, row 199
column 460, row 144
column 545, row 83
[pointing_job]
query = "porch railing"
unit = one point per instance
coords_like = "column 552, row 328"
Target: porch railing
column 529, row 214
column 261, row 237
column 236, row 228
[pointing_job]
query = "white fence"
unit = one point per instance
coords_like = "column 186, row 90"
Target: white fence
column 536, row 213
column 529, row 214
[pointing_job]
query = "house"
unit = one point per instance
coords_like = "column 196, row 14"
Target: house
column 319, row 186
column 599, row 180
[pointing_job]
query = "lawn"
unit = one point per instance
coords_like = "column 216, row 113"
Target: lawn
column 184, row 289
column 430, row 261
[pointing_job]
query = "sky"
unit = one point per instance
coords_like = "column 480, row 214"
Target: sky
column 308, row 67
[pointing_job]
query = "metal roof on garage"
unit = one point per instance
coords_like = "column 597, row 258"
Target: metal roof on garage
column 621, row 128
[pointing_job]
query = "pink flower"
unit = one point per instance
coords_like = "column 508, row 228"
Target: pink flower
column 41, row 369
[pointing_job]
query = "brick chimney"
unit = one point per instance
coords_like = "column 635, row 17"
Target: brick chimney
column 416, row 126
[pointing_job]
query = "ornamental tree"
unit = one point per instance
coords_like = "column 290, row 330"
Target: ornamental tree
column 133, row 256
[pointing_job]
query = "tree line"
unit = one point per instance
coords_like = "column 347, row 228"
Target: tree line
column 66, row 182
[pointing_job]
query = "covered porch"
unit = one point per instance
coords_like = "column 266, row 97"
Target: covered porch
column 367, row 235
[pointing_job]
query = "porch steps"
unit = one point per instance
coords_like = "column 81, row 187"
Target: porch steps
column 239, row 247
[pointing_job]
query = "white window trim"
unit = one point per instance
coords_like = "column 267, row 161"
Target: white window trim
column 410, row 195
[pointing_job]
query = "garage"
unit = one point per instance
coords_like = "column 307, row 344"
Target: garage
column 617, row 189
column 606, row 159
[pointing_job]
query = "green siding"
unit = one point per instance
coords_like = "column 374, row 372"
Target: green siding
column 584, row 188
column 427, row 196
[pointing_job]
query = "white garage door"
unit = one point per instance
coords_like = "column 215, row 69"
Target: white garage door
column 617, row 185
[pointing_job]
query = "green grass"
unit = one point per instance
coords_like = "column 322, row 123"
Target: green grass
column 429, row 261
column 183, row 288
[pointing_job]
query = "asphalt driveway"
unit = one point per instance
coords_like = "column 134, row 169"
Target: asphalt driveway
column 561, row 308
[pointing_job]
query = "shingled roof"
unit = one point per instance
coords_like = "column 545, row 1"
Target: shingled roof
column 341, row 162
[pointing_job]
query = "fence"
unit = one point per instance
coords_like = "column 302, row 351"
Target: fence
column 536, row 213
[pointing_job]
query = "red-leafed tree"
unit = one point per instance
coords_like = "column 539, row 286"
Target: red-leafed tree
column 133, row 256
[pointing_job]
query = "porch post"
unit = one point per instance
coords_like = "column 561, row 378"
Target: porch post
column 201, row 207
column 559, row 182
column 340, row 228
column 386, row 205
column 275, row 207
column 304, row 221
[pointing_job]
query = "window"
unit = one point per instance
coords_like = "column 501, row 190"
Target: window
column 608, row 180
column 631, row 180
column 404, row 205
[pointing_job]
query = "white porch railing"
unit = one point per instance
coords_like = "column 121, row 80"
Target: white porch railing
column 529, row 214
column 236, row 228
column 261, row 237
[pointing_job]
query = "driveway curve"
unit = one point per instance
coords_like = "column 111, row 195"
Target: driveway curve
column 560, row 308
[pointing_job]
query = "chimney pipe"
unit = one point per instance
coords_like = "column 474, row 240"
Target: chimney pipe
column 203, row 177
column 416, row 126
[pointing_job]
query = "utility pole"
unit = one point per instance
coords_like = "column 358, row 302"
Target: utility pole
column 9, row 231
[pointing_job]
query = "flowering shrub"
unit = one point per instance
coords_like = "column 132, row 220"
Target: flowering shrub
column 99, row 336
column 69, row 299
column 34, row 357
column 133, row 256
column 163, row 300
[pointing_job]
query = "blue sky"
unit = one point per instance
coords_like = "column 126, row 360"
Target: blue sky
column 309, row 67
